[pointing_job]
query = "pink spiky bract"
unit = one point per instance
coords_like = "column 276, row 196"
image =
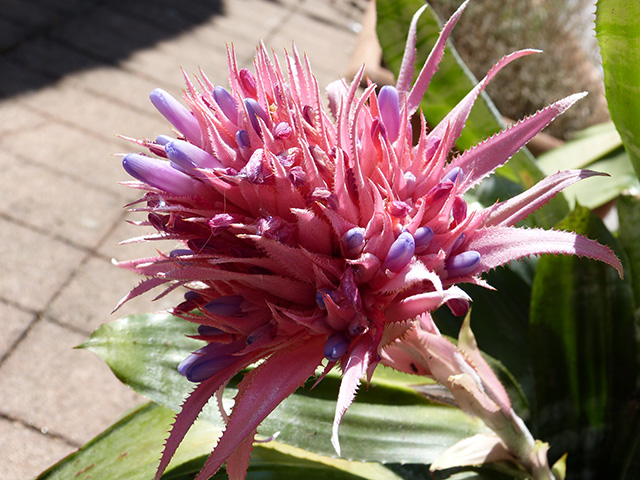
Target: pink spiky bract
column 282, row 186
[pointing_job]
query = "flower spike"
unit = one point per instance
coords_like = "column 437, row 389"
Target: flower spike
column 311, row 235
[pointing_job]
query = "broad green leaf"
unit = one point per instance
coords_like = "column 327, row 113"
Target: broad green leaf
column 618, row 34
column 597, row 191
column 597, row 148
column 589, row 145
column 629, row 235
column 397, row 423
column 129, row 450
column 583, row 350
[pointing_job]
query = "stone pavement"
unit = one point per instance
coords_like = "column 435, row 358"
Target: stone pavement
column 73, row 74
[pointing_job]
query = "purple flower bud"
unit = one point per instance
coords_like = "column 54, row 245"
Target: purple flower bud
column 209, row 360
column 226, row 103
column 189, row 157
column 248, row 82
column 177, row 114
column 242, row 139
column 390, row 110
column 254, row 110
column 191, row 295
column 208, row 331
column 422, row 237
column 320, row 297
column 164, row 139
column 462, row 264
column 161, row 175
column 336, row 346
column 452, row 175
column 353, row 241
column 400, row 252
column 282, row 130
column 228, row 306
column 179, row 252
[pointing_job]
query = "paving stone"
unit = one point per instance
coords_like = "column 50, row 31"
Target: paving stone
column 51, row 57
column 88, row 300
column 34, row 265
column 17, row 119
column 16, row 79
column 14, row 323
column 11, row 34
column 98, row 115
column 65, row 207
column 71, row 151
column 26, row 452
column 69, row 6
column 48, row 384
column 32, row 15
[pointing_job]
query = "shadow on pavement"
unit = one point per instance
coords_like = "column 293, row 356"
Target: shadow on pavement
column 48, row 39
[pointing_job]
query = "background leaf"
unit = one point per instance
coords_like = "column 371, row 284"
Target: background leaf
column 597, row 148
column 397, row 423
column 584, row 353
column 129, row 450
column 618, row 35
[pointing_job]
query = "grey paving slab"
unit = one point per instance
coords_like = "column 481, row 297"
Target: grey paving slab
column 15, row 323
column 27, row 452
column 30, row 14
column 48, row 384
column 98, row 115
column 10, row 33
column 66, row 150
column 61, row 205
column 16, row 80
column 109, row 34
column 88, row 300
column 34, row 265
column 16, row 119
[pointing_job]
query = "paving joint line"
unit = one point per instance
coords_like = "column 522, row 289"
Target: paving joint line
column 47, row 432
column 62, row 173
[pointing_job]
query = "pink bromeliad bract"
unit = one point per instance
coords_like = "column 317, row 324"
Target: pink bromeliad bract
column 313, row 236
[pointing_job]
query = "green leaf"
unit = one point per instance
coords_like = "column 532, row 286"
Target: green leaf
column 597, row 148
column 618, row 34
column 584, row 350
column 590, row 145
column 129, row 450
column 629, row 235
column 397, row 423
column 449, row 85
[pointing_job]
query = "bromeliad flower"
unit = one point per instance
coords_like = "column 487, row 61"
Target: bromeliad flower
column 311, row 238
